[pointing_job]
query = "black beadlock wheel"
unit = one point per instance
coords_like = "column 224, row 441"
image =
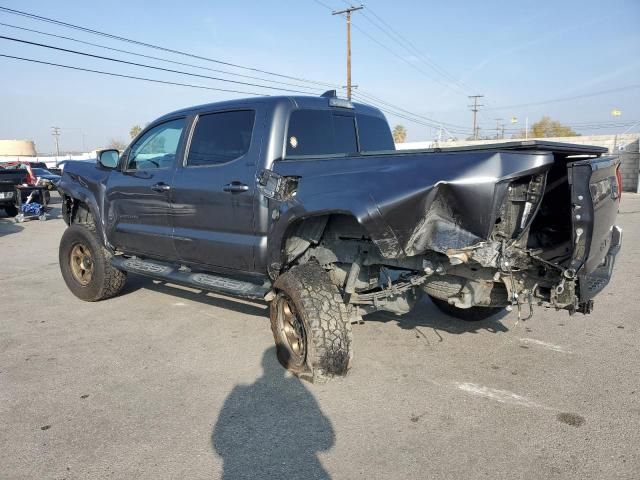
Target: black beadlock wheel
column 310, row 324
column 86, row 265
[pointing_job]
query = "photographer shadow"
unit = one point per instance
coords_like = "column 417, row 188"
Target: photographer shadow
column 272, row 428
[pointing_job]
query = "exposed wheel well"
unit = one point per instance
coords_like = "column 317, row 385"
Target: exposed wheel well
column 312, row 231
column 75, row 211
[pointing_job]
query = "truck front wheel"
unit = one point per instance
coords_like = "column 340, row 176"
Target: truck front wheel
column 310, row 324
column 86, row 265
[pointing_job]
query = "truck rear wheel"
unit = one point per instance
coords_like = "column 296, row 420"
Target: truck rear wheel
column 310, row 324
column 473, row 314
column 86, row 265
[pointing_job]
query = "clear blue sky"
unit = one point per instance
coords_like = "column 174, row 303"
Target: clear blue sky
column 512, row 52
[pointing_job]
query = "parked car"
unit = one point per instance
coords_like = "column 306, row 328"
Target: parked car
column 303, row 202
column 46, row 177
column 9, row 178
column 28, row 166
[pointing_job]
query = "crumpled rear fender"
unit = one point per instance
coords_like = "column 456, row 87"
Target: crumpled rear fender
column 408, row 203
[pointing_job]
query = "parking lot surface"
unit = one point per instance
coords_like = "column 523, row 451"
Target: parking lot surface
column 168, row 382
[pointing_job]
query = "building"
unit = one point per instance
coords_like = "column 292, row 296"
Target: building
column 17, row 148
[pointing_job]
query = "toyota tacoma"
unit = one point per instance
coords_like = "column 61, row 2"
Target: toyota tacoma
column 303, row 202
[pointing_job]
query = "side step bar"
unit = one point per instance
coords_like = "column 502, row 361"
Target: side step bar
column 204, row 281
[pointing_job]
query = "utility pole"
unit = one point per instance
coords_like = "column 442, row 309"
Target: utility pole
column 348, row 12
column 474, row 108
column 498, row 128
column 55, row 131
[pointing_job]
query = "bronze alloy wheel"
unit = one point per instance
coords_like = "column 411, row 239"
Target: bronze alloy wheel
column 81, row 263
column 292, row 331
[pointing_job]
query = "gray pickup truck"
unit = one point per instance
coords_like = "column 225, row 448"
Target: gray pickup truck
column 303, row 202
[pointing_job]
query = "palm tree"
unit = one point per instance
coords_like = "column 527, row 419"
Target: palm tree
column 399, row 134
column 135, row 130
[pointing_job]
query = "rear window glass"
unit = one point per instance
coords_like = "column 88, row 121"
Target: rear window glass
column 324, row 132
column 321, row 132
column 374, row 134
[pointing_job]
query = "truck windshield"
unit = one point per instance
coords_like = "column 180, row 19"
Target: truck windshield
column 324, row 132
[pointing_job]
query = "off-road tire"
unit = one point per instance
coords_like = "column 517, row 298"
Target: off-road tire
column 327, row 329
column 473, row 314
column 11, row 210
column 106, row 281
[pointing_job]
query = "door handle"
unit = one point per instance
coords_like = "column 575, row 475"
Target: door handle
column 161, row 187
column 235, row 187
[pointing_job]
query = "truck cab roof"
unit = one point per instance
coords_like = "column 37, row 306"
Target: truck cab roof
column 288, row 102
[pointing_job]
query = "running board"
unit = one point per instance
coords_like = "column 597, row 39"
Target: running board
column 204, row 281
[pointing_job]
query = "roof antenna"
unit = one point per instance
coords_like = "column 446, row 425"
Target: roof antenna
column 330, row 94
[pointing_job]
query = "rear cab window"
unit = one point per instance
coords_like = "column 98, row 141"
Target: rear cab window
column 328, row 132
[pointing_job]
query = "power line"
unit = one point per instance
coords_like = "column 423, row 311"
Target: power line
column 390, row 32
column 111, row 59
column 111, row 74
column 128, row 52
column 429, row 60
column 397, row 55
column 452, row 126
column 412, row 117
column 574, row 97
column 367, row 97
column 157, row 47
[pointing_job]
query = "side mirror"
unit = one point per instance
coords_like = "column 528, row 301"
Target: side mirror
column 108, row 158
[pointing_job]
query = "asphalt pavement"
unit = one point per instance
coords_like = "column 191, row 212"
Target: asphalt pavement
column 167, row 382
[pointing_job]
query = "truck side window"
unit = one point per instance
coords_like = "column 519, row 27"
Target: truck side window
column 220, row 138
column 157, row 147
column 321, row 132
column 374, row 134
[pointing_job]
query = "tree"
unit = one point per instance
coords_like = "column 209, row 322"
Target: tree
column 399, row 134
column 551, row 128
column 117, row 144
column 135, row 130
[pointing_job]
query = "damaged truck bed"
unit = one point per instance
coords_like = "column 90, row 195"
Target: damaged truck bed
column 520, row 222
column 304, row 202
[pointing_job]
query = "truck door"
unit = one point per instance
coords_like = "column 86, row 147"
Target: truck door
column 138, row 195
column 214, row 192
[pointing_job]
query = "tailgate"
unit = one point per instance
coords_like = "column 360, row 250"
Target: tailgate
column 595, row 196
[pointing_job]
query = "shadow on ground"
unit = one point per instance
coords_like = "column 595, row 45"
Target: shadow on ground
column 272, row 428
column 247, row 307
column 426, row 314
column 8, row 225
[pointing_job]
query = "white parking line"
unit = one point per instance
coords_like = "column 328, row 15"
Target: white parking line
column 502, row 396
column 545, row 345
